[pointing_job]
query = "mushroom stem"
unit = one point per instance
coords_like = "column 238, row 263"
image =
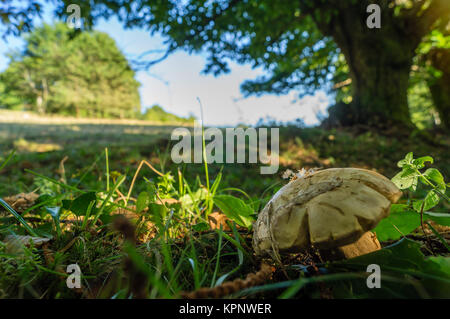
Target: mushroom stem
column 366, row 244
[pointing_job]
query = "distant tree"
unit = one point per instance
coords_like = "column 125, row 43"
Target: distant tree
column 8, row 100
column 76, row 73
column 156, row 113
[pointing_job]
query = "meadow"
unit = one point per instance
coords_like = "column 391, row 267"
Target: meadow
column 189, row 226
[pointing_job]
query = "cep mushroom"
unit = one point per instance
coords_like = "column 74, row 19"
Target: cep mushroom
column 332, row 210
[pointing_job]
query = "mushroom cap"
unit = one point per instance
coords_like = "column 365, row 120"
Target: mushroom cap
column 329, row 208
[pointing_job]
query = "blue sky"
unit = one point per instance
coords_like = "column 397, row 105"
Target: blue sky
column 176, row 83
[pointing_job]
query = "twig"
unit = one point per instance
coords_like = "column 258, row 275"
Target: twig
column 230, row 287
column 136, row 174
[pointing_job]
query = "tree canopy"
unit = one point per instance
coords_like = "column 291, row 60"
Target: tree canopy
column 156, row 113
column 68, row 72
column 299, row 44
column 302, row 45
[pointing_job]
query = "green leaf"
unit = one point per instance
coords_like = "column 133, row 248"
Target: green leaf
column 440, row 218
column 151, row 191
column 431, row 200
column 409, row 157
column 235, row 209
column 407, row 160
column 420, row 162
column 81, row 204
column 402, row 218
column 190, row 199
column 142, row 201
column 399, row 264
column 200, row 227
column 435, row 176
column 406, row 178
column 157, row 213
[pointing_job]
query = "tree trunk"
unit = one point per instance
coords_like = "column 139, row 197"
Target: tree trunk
column 379, row 91
column 379, row 61
column 40, row 104
column 440, row 87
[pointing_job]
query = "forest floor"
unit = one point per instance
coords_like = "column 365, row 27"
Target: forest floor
column 181, row 249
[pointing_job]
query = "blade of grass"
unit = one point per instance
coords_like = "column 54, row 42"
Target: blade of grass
column 75, row 189
column 236, row 190
column 139, row 262
column 72, row 188
column 107, row 169
column 7, row 159
column 219, row 249
column 18, row 217
column 240, row 258
column 441, row 239
column 204, row 146
column 235, row 243
column 88, row 214
column 106, row 200
column 43, row 203
column 90, row 168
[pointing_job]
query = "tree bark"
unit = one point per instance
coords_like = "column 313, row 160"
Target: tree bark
column 379, row 59
column 440, row 87
column 379, row 62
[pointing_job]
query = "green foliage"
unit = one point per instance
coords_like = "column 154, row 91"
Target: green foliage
column 405, row 218
column 80, row 205
column 424, row 74
column 401, row 220
column 399, row 263
column 61, row 71
column 8, row 100
column 142, row 202
column 16, row 17
column 282, row 38
column 18, row 217
column 423, row 114
column 176, row 249
column 235, row 209
column 157, row 114
column 410, row 175
column 299, row 45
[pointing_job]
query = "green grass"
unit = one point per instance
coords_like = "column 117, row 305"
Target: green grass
column 176, row 250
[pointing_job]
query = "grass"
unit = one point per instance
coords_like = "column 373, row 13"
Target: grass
column 92, row 178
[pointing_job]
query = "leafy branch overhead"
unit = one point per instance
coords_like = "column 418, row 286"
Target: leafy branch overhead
column 298, row 44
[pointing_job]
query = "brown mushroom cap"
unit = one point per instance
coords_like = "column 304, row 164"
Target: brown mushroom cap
column 328, row 209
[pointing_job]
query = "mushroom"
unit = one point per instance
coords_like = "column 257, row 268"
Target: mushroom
column 332, row 209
